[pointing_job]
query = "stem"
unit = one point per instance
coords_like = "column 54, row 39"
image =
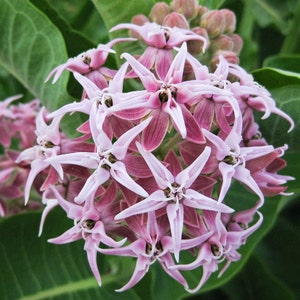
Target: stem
column 291, row 41
column 171, row 144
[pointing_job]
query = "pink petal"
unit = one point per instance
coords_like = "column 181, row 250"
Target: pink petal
column 188, row 175
column 154, row 202
column 175, row 215
column 120, row 147
column 154, row 134
column 119, row 173
column 197, row 200
column 162, row 175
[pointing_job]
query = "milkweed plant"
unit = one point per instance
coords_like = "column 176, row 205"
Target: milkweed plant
column 168, row 163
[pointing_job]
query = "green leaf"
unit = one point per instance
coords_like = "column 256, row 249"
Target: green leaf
column 275, row 78
column 32, row 269
column 75, row 41
column 284, row 62
column 266, row 13
column 256, row 282
column 30, row 48
column 280, row 248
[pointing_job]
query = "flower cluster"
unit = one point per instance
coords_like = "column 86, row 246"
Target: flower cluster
column 166, row 137
column 17, row 126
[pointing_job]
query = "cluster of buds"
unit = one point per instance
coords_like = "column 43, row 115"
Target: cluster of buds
column 149, row 174
column 217, row 27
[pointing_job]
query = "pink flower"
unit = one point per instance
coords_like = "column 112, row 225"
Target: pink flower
column 230, row 159
column 48, row 145
column 160, row 41
column 89, row 224
column 90, row 61
column 152, row 244
column 174, row 194
column 167, row 100
column 254, row 95
column 106, row 160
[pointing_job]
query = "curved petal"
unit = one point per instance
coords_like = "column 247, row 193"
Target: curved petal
column 119, row 173
column 197, row 200
column 188, row 175
column 154, row 202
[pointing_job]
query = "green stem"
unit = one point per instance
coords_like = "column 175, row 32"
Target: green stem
column 247, row 21
column 292, row 39
column 171, row 144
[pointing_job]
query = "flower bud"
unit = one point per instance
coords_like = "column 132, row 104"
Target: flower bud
column 230, row 56
column 175, row 19
column 188, row 8
column 230, row 20
column 237, row 43
column 214, row 23
column 202, row 10
column 222, row 42
column 195, row 47
column 158, row 12
column 138, row 20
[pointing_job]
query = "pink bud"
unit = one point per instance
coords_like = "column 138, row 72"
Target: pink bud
column 222, row 42
column 230, row 20
column 175, row 19
column 138, row 20
column 188, row 8
column 158, row 12
column 196, row 47
column 202, row 10
column 237, row 43
column 214, row 23
column 230, row 56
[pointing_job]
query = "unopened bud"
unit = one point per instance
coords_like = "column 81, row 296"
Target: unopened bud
column 230, row 20
column 175, row 19
column 138, row 20
column 237, row 43
column 202, row 10
column 230, row 56
column 214, row 23
column 188, row 8
column 195, row 47
column 158, row 12
column 222, row 42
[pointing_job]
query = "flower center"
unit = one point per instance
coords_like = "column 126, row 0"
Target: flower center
column 154, row 251
column 166, row 92
column 88, row 224
column 174, row 193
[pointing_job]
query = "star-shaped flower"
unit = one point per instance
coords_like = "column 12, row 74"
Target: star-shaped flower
column 173, row 194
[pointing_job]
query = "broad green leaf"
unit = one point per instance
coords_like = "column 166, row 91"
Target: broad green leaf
column 266, row 13
column 284, row 62
column 82, row 16
column 280, row 248
column 275, row 78
column 30, row 48
column 255, row 281
column 75, row 42
column 32, row 269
